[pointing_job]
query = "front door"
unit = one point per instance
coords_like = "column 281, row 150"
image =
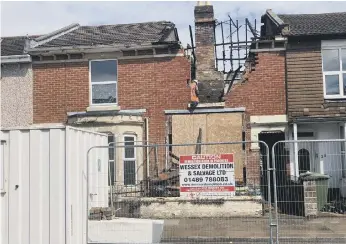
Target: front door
column 304, row 161
column 307, row 153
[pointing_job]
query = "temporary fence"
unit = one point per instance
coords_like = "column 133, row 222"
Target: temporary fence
column 309, row 187
column 217, row 191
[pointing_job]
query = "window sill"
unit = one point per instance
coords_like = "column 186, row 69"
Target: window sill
column 335, row 100
column 103, row 108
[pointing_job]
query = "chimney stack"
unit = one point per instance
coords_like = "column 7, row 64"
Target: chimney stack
column 210, row 80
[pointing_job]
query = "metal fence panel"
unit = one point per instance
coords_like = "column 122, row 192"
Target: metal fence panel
column 185, row 193
column 309, row 187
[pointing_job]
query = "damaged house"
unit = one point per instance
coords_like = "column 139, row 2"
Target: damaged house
column 251, row 108
column 130, row 81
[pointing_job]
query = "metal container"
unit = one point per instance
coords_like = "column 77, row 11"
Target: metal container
column 43, row 183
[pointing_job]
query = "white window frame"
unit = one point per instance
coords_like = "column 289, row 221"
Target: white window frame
column 130, row 159
column 102, row 83
column 112, row 161
column 334, row 45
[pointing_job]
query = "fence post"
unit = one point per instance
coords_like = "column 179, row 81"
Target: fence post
column 156, row 170
column 275, row 195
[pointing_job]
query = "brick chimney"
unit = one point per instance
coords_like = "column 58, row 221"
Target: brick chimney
column 210, row 81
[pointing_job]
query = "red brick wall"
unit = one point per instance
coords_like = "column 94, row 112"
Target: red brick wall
column 157, row 86
column 262, row 94
column 153, row 84
column 58, row 89
column 264, row 91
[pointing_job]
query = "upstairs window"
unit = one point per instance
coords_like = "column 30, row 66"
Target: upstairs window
column 103, row 82
column 334, row 69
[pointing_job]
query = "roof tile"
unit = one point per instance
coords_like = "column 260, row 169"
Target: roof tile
column 315, row 24
column 13, row 45
column 138, row 33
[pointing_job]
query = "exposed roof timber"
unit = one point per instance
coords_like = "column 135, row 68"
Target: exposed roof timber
column 275, row 18
column 253, row 31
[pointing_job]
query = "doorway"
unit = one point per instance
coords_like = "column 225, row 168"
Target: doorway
column 303, row 161
column 270, row 138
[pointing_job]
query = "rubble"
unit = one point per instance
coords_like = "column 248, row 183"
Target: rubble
column 101, row 213
column 335, row 207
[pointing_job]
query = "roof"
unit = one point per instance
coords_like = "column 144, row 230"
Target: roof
column 137, row 33
column 13, row 45
column 315, row 24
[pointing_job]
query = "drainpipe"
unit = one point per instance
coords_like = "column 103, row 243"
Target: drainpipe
column 286, row 90
column 147, row 172
column 295, row 135
column 343, row 166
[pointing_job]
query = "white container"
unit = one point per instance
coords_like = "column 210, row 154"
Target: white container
column 43, row 183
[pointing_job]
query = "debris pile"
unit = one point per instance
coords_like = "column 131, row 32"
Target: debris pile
column 335, row 207
column 100, row 213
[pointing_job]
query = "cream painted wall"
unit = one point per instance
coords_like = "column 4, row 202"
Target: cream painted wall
column 266, row 123
column 16, row 95
column 120, row 126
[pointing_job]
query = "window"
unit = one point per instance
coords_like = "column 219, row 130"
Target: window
column 103, row 82
column 129, row 160
column 334, row 71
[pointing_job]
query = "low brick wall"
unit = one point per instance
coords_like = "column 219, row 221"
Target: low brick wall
column 166, row 208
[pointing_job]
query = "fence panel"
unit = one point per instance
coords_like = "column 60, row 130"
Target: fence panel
column 310, row 190
column 185, row 193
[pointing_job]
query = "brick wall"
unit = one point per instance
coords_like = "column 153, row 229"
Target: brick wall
column 264, row 91
column 155, row 85
column 58, row 89
column 262, row 94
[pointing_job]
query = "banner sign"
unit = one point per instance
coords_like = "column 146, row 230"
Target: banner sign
column 207, row 176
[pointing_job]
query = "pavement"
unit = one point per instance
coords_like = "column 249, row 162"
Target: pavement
column 255, row 230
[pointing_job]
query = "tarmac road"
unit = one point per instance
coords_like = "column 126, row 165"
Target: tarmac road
column 254, row 230
column 255, row 241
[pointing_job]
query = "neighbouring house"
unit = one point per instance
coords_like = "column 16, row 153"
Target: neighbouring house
column 16, row 83
column 315, row 70
column 116, row 79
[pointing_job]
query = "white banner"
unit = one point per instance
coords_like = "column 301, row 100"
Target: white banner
column 207, row 176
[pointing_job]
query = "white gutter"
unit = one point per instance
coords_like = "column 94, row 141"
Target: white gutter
column 91, row 49
column 16, row 59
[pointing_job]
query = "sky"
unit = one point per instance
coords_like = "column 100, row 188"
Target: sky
column 21, row 18
column 35, row 18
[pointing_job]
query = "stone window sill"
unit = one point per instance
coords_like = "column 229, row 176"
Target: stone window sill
column 103, row 108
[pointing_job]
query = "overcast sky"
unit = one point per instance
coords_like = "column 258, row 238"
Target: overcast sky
column 21, row 18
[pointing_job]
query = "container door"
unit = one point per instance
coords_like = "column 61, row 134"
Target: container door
column 3, row 195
